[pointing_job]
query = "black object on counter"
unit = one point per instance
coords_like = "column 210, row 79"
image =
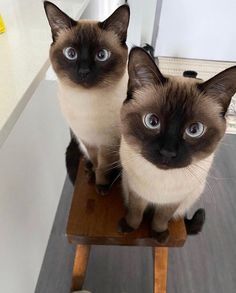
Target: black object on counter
column 190, row 73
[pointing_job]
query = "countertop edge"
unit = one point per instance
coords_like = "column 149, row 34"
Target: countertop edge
column 11, row 121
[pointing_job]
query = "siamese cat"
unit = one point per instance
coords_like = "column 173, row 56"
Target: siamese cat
column 170, row 127
column 90, row 60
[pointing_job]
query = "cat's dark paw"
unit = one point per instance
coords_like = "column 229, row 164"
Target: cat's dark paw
column 124, row 227
column 103, row 189
column 90, row 175
column 195, row 225
column 89, row 172
column 88, row 165
column 161, row 237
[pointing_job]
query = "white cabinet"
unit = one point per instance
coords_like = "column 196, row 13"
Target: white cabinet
column 32, row 174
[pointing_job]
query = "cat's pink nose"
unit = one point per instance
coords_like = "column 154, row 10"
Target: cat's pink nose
column 168, row 153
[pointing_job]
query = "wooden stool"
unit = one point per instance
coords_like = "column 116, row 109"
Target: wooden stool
column 93, row 220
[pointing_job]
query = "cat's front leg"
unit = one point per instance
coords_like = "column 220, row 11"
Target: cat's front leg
column 107, row 170
column 135, row 210
column 161, row 218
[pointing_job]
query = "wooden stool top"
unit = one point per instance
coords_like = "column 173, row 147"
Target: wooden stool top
column 93, row 219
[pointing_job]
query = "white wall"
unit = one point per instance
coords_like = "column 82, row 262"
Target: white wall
column 32, row 174
column 135, row 25
column 141, row 17
column 148, row 13
column 100, row 9
column 204, row 29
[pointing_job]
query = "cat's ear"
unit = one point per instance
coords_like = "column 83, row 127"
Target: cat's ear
column 57, row 19
column 143, row 70
column 118, row 22
column 221, row 87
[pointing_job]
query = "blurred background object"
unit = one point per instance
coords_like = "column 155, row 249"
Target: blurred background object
column 2, row 25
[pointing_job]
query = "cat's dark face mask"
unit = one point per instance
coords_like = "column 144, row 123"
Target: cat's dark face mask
column 87, row 53
column 174, row 122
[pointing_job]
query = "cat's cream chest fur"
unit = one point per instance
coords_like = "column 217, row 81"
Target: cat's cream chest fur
column 93, row 114
column 163, row 186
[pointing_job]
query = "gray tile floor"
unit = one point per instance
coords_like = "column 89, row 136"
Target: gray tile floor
column 206, row 264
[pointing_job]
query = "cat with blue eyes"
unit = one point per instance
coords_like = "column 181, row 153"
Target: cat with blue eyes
column 90, row 61
column 171, row 127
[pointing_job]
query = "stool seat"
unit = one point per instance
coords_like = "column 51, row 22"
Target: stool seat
column 94, row 219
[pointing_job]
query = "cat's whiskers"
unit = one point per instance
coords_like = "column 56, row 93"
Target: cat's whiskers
column 113, row 152
column 125, row 162
column 201, row 178
column 116, row 178
column 212, row 176
column 208, row 172
column 132, row 158
column 190, row 171
column 113, row 145
column 116, row 165
column 107, row 82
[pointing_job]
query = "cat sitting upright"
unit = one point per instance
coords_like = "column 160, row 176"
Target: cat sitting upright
column 90, row 59
column 171, row 127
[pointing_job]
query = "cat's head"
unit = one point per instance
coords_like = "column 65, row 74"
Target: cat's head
column 173, row 122
column 88, row 53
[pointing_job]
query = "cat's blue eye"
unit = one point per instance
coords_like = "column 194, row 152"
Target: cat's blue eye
column 102, row 55
column 70, row 53
column 151, row 121
column 195, row 130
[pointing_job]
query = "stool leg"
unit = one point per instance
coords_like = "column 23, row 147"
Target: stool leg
column 80, row 266
column 160, row 262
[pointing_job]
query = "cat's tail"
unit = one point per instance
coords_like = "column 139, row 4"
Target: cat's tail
column 72, row 158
